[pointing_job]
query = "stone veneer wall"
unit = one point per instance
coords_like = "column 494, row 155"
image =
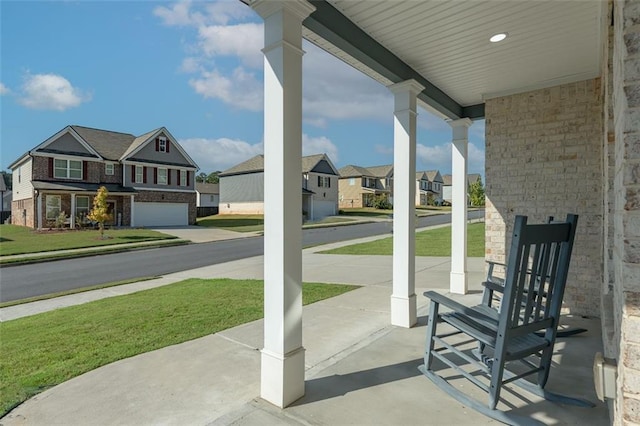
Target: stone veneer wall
column 23, row 212
column 626, row 209
column 544, row 157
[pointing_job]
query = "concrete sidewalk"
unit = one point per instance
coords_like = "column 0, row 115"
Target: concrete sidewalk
column 360, row 370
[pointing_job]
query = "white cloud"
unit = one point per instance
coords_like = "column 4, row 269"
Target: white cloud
column 243, row 41
column 179, row 14
column 439, row 157
column 223, row 11
column 3, row 89
column 319, row 145
column 219, row 154
column 240, row 89
column 51, row 92
column 224, row 153
column 335, row 90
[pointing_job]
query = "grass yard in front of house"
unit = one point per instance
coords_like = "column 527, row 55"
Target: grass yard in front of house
column 16, row 239
column 47, row 349
column 432, row 242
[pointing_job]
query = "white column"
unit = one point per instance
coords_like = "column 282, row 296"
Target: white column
column 38, row 221
column 458, row 282
column 403, row 299
column 282, row 369
column 72, row 215
column 132, row 222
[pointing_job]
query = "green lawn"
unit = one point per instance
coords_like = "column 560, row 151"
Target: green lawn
column 20, row 239
column 254, row 222
column 433, row 242
column 366, row 212
column 47, row 349
column 234, row 222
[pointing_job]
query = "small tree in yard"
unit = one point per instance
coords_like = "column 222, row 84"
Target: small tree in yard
column 100, row 213
column 476, row 193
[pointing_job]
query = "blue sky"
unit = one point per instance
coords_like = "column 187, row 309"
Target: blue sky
column 195, row 68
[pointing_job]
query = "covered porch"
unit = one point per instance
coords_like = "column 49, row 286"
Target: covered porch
column 557, row 96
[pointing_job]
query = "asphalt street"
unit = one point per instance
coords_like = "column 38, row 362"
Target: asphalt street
column 20, row 282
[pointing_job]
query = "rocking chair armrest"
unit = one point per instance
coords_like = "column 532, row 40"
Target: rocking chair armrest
column 490, row 285
column 456, row 307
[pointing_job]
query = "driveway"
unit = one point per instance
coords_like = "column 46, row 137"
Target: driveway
column 203, row 234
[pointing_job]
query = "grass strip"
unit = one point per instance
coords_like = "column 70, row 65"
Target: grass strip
column 49, row 348
column 22, row 240
column 432, row 242
column 74, row 291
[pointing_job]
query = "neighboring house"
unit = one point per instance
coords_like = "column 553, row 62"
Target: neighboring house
column 359, row 186
column 5, row 198
column 446, row 188
column 150, row 179
column 208, row 194
column 242, row 187
column 208, row 198
column 428, row 187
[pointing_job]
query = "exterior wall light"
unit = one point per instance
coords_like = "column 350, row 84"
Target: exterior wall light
column 498, row 37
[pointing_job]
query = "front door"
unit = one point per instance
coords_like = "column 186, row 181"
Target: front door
column 111, row 209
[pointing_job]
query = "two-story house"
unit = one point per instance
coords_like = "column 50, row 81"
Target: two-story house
column 150, row 179
column 359, row 186
column 429, row 186
column 242, row 187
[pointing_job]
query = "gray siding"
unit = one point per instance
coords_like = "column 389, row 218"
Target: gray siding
column 67, row 143
column 323, row 167
column 149, row 153
column 242, row 188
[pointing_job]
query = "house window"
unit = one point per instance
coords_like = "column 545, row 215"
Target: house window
column 67, row 169
column 19, row 174
column 324, row 182
column 139, row 174
column 162, row 144
column 108, row 169
column 82, row 208
column 352, row 181
column 212, row 198
column 183, row 178
column 162, row 176
column 53, row 207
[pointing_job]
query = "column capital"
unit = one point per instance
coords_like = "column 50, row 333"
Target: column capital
column 300, row 8
column 410, row 86
column 466, row 122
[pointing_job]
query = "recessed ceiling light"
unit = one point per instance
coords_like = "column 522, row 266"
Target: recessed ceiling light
column 498, row 37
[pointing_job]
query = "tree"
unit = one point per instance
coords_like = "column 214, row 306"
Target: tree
column 100, row 212
column 201, row 177
column 213, row 177
column 476, row 193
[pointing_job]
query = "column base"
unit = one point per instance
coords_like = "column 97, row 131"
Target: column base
column 458, row 283
column 404, row 311
column 282, row 377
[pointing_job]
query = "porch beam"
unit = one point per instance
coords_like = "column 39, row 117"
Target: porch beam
column 458, row 279
column 403, row 299
column 72, row 215
column 282, row 359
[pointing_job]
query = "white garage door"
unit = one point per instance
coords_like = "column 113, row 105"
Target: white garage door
column 323, row 209
column 161, row 214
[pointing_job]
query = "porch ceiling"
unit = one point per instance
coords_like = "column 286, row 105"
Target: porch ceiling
column 445, row 45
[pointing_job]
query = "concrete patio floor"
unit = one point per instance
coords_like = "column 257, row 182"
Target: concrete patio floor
column 360, row 370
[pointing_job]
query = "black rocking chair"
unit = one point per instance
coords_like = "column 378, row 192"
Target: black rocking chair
column 523, row 328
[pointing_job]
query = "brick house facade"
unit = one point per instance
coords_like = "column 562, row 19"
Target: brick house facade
column 150, row 174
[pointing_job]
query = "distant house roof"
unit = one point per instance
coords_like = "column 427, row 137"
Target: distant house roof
column 354, row 171
column 471, row 178
column 256, row 164
column 433, row 175
column 3, row 185
column 208, row 188
column 381, row 171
